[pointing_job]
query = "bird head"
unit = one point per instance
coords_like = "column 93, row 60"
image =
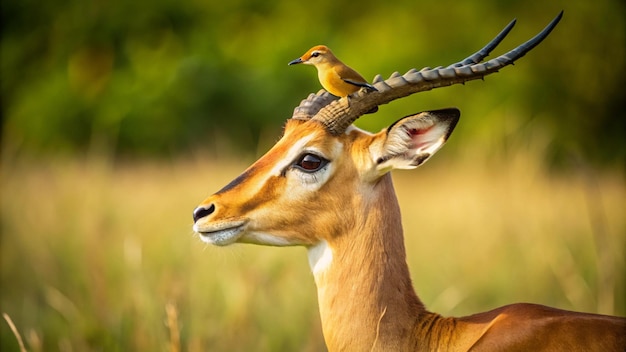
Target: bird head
column 314, row 56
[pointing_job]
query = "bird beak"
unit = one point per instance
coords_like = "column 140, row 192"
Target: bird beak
column 296, row 61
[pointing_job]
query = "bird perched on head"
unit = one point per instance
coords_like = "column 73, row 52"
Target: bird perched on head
column 337, row 78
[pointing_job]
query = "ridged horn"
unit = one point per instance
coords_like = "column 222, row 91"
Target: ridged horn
column 310, row 106
column 338, row 114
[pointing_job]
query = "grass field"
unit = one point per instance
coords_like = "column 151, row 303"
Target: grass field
column 101, row 257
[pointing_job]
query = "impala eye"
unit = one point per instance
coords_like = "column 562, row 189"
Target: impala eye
column 310, row 163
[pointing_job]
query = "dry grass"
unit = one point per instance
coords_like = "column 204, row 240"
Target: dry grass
column 101, row 257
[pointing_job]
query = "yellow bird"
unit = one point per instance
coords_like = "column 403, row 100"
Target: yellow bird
column 337, row 78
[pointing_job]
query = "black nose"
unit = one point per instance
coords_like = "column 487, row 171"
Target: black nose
column 202, row 211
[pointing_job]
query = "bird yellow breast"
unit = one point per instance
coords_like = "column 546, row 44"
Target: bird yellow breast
column 332, row 82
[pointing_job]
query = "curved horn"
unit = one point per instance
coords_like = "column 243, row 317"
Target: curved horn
column 478, row 56
column 338, row 114
column 310, row 106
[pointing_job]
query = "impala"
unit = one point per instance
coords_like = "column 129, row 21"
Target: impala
column 326, row 185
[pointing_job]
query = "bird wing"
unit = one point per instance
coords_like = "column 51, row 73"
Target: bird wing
column 350, row 76
column 360, row 84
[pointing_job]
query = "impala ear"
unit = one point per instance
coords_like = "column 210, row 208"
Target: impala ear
column 413, row 139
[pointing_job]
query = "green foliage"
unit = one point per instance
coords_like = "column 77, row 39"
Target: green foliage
column 167, row 77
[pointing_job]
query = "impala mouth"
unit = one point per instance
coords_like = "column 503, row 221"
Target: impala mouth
column 222, row 234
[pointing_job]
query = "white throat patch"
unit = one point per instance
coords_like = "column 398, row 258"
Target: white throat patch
column 320, row 257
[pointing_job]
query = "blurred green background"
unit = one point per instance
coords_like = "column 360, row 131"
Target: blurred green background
column 118, row 118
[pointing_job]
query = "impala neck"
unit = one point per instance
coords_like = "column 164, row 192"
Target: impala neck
column 363, row 283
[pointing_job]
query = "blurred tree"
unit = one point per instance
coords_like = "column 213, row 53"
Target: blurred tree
column 166, row 77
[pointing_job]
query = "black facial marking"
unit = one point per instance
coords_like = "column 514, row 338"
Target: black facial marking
column 236, row 181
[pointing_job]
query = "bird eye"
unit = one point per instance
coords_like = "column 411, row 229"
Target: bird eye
column 315, row 54
column 310, row 163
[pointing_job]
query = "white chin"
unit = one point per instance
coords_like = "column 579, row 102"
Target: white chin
column 223, row 237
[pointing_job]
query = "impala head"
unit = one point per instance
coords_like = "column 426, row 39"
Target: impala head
column 322, row 175
column 292, row 194
column 314, row 56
